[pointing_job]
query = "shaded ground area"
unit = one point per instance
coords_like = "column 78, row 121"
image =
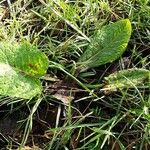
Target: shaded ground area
column 84, row 112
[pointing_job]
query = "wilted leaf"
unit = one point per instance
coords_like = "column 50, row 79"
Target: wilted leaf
column 20, row 68
column 126, row 78
column 107, row 45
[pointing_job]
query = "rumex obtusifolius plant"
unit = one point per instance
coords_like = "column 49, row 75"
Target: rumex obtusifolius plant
column 107, row 45
column 21, row 66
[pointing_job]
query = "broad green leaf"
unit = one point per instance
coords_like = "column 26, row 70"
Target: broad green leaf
column 127, row 78
column 20, row 69
column 107, row 45
column 24, row 57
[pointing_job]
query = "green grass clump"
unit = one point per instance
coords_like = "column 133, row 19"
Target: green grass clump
column 75, row 111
